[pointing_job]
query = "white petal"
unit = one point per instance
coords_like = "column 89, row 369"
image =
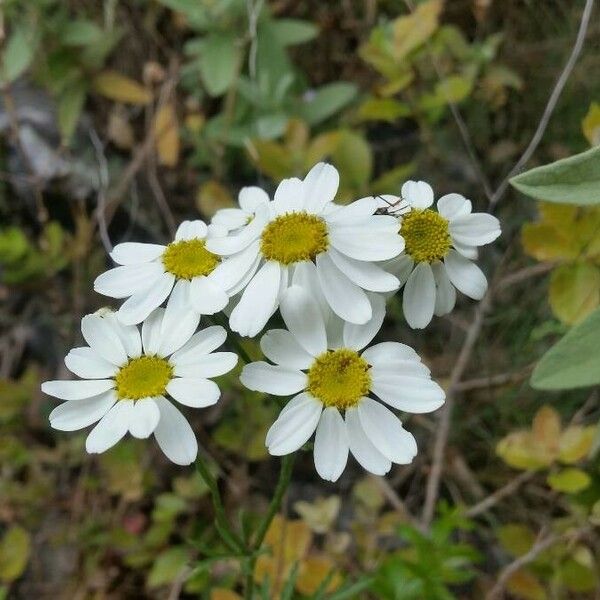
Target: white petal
column 111, row 428
column 103, row 340
column 78, row 414
column 128, row 334
column 445, row 294
column 179, row 322
column 364, row 274
column 410, row 368
column 386, row 433
column 467, row 251
column 362, row 448
column 302, row 316
column 282, row 348
column 465, row 275
column 208, row 365
column 189, row 230
column 240, row 286
column 278, row 381
column 122, row 282
column 77, row 389
column 345, row 298
column 294, row 426
column 305, row 275
column 230, row 218
column 358, row 336
column 231, row 270
column 365, row 244
column 144, row 418
column 134, row 253
column 401, row 266
column 151, row 331
column 206, row 296
column 196, row 392
column 475, row 229
column 331, row 445
column 452, row 206
column 320, row 187
column 200, row 344
column 85, row 363
column 257, row 302
column 236, row 242
column 410, row 394
column 355, row 212
column 418, row 301
column 251, row 197
column 386, row 354
column 289, row 197
column 174, row 434
column 141, row 304
column 418, row 194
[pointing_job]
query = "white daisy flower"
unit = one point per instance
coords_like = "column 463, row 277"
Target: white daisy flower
column 126, row 378
column 333, row 381
column 439, row 249
column 250, row 199
column 148, row 272
column 302, row 237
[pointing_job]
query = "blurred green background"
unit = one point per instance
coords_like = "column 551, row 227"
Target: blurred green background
column 119, row 118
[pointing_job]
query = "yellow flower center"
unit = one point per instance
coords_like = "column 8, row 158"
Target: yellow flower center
column 426, row 235
column 189, row 258
column 143, row 377
column 339, row 378
column 294, row 237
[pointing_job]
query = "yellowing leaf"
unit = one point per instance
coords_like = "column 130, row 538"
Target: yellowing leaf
column 15, row 548
column 117, row 87
column 223, row 594
column 313, row 571
column 211, row 197
column 166, row 135
column 574, row 291
column 320, row 514
column 591, row 124
column 520, row 451
column 516, row 539
column 569, row 480
column 523, row 584
column 415, row 29
column 575, row 443
column 546, row 427
column 544, row 242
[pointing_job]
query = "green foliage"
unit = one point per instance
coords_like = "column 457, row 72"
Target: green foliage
column 574, row 361
column 15, row 548
column 431, row 563
column 572, row 180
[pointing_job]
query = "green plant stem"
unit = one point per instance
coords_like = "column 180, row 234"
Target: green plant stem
column 285, row 475
column 231, row 539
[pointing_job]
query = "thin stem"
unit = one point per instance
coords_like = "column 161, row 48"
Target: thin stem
column 285, row 475
column 231, row 539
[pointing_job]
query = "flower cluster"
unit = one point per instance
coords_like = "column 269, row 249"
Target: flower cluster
column 328, row 269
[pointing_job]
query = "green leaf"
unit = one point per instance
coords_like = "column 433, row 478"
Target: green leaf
column 573, row 180
column 15, row 548
column 383, row 109
column 570, row 480
column 327, row 101
column 167, row 566
column 574, row 291
column 218, row 62
column 80, row 33
column 290, row 32
column 18, row 55
column 574, row 361
column 354, row 159
column 70, row 105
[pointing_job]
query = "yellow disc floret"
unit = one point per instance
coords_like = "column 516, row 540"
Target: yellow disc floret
column 189, row 258
column 294, row 237
column 143, row 377
column 339, row 378
column 426, row 235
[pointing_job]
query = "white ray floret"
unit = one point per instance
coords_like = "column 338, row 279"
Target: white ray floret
column 303, row 238
column 127, row 377
column 440, row 247
column 340, row 390
column 148, row 273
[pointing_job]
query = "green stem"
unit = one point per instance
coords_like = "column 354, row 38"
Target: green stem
column 285, row 475
column 231, row 539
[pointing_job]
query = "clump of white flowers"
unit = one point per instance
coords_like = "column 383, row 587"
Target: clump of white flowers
column 329, row 269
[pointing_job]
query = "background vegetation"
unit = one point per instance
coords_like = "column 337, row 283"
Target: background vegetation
column 119, row 118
